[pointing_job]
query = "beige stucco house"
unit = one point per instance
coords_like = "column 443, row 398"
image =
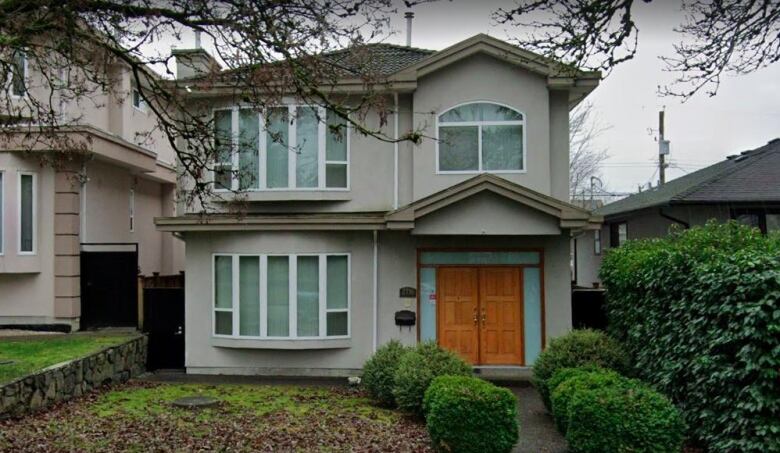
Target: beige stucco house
column 468, row 230
column 101, row 202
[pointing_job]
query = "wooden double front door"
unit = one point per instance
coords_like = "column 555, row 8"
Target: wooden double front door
column 479, row 312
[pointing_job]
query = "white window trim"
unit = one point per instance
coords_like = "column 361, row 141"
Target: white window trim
column 142, row 103
column 3, row 215
column 132, row 210
column 25, row 78
column 34, row 213
column 479, row 125
column 292, row 299
column 292, row 182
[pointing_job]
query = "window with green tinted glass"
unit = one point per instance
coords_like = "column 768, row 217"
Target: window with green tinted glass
column 481, row 136
column 282, row 296
column 27, row 213
column 285, row 147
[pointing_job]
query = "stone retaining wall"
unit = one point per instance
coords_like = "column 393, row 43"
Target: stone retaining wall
column 70, row 379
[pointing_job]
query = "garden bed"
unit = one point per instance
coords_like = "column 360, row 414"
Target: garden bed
column 139, row 416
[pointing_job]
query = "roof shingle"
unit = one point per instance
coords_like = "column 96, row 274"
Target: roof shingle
column 750, row 176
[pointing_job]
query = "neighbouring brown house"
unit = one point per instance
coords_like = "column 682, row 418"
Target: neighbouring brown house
column 744, row 187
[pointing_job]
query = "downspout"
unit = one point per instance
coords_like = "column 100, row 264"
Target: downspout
column 661, row 212
column 376, row 290
column 395, row 153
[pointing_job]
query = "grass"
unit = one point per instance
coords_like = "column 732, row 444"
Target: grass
column 32, row 354
column 139, row 416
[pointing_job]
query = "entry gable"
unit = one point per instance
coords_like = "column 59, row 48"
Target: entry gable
column 488, row 202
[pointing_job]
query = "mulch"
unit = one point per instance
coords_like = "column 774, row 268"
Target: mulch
column 74, row 426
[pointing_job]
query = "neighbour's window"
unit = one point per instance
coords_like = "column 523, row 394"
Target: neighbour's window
column 18, row 74
column 287, row 147
column 132, row 210
column 618, row 234
column 597, row 242
column 481, row 137
column 766, row 220
column 26, row 213
column 281, row 296
column 138, row 100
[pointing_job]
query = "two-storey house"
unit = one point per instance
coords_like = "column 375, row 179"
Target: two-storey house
column 345, row 242
column 76, row 228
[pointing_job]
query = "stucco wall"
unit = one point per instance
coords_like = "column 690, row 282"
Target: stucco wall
column 107, row 215
column 482, row 78
column 397, row 268
column 27, row 281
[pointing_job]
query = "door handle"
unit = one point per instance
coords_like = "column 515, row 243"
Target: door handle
column 484, row 317
column 179, row 331
column 476, row 317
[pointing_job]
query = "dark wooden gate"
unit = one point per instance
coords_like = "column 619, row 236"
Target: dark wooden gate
column 587, row 309
column 109, row 290
column 164, row 323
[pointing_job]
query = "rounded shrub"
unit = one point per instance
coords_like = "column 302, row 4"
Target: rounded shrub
column 466, row 414
column 578, row 348
column 568, row 382
column 623, row 418
column 417, row 368
column 379, row 372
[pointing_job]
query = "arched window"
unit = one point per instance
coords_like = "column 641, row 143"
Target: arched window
column 481, row 137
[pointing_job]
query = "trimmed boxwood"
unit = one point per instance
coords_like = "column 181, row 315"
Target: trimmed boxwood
column 578, row 348
column 628, row 417
column 417, row 368
column 379, row 372
column 466, row 414
column 698, row 312
column 566, row 383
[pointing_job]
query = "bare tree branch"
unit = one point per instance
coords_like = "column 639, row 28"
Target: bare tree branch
column 585, row 158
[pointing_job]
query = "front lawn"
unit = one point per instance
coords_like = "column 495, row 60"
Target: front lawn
column 138, row 416
column 22, row 356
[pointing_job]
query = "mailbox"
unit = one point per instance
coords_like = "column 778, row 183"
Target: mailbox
column 405, row 318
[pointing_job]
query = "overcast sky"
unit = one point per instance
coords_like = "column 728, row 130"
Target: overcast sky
column 744, row 115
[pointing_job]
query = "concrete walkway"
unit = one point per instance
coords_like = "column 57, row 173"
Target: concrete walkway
column 537, row 429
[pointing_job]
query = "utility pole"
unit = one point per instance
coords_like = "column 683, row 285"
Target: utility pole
column 663, row 150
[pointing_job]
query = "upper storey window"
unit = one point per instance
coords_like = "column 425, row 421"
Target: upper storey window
column 481, row 137
column 18, row 75
column 288, row 148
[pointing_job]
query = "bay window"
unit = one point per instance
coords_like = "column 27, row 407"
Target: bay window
column 481, row 137
column 294, row 147
column 304, row 296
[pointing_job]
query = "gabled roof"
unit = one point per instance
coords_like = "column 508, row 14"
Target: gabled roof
column 752, row 176
column 570, row 216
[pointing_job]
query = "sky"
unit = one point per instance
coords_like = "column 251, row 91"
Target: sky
column 745, row 113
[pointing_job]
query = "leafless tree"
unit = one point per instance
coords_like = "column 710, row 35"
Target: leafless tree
column 717, row 37
column 585, row 157
column 271, row 48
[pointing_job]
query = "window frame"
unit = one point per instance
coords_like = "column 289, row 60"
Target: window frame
column 141, row 107
column 292, row 300
column 597, row 242
column 132, row 210
column 262, row 152
column 479, row 125
column 614, row 234
column 34, row 232
column 10, row 80
column 760, row 213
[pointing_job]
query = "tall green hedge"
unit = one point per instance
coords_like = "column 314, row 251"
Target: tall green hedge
column 699, row 312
